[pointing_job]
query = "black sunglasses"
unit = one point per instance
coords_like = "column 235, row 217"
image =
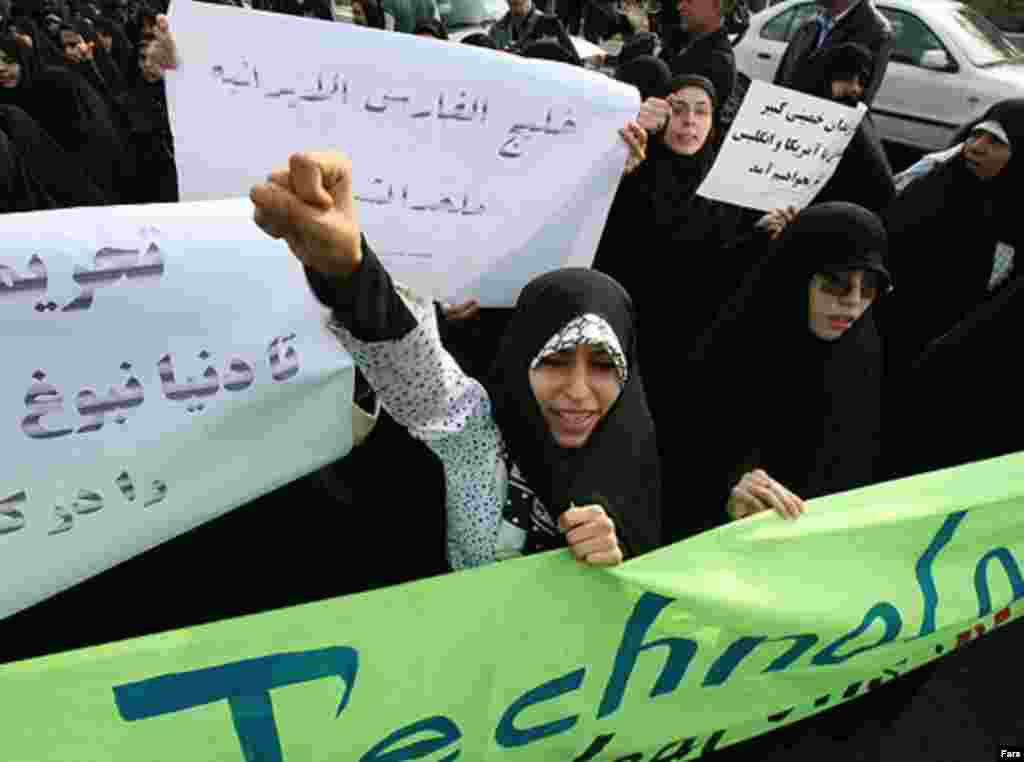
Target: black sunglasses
column 841, row 284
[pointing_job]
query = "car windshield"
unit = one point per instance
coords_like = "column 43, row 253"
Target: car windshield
column 982, row 41
column 460, row 13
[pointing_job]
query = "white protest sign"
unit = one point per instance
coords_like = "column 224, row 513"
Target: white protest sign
column 466, row 161
column 164, row 364
column 782, row 148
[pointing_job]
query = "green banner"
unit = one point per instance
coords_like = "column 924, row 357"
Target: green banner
column 697, row 646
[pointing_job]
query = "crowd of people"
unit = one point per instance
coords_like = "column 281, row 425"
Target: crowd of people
column 83, row 117
column 785, row 356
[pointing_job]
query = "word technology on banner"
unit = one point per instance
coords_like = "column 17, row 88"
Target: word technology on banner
column 164, row 364
column 669, row 656
column 782, row 147
column 465, row 160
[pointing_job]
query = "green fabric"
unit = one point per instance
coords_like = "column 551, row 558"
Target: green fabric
column 543, row 658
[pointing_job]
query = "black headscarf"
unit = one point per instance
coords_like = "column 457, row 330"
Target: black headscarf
column 1006, row 187
column 647, row 73
column 434, row 27
column 640, row 44
column 657, row 204
column 961, row 366
column 60, row 176
column 864, row 175
column 944, row 228
column 44, row 50
column 843, row 62
column 618, row 466
column 667, row 181
column 546, row 49
column 100, row 71
column 13, row 50
column 122, row 52
column 480, row 40
column 683, row 234
column 19, row 189
column 806, row 410
column 81, row 121
column 147, row 135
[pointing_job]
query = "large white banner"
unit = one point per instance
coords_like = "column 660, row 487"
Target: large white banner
column 475, row 170
column 782, row 147
column 163, row 364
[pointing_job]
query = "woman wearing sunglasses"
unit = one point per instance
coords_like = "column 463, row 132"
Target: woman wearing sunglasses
column 793, row 367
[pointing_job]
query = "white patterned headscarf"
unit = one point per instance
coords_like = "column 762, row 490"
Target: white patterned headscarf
column 592, row 330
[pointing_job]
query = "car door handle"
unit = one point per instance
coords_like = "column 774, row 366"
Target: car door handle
column 765, row 56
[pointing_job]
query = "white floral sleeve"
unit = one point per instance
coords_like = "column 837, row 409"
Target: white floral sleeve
column 425, row 390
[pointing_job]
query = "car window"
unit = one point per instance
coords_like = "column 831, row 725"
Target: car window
column 982, row 40
column 460, row 13
column 912, row 38
column 782, row 27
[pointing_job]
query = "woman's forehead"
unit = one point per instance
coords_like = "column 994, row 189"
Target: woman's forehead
column 691, row 94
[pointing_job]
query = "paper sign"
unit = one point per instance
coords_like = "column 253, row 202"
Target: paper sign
column 781, row 149
column 466, row 161
column 163, row 364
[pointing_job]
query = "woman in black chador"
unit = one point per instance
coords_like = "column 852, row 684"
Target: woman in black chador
column 70, row 110
column 789, row 378
column 955, row 231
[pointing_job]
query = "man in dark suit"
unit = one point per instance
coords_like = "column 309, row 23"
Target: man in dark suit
column 704, row 48
column 838, row 21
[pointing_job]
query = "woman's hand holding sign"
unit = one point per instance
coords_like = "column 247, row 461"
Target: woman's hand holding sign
column 310, row 206
column 757, row 492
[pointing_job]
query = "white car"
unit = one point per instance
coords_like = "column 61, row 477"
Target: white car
column 948, row 65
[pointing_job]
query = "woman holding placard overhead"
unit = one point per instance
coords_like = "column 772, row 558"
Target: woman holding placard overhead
column 667, row 246
column 657, row 206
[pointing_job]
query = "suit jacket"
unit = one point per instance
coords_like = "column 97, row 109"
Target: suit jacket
column 710, row 56
column 864, row 24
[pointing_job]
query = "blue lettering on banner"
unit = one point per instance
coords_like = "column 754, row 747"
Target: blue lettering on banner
column 724, row 665
column 246, row 685
column 447, row 730
column 1005, row 557
column 680, row 653
column 509, row 736
column 923, row 571
column 884, row 611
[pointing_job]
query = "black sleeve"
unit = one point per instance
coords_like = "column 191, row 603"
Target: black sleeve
column 365, row 302
column 879, row 187
column 881, row 50
column 565, row 41
column 781, row 77
column 718, row 66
